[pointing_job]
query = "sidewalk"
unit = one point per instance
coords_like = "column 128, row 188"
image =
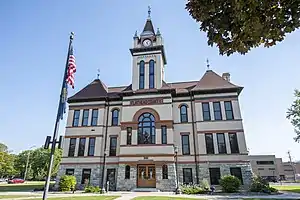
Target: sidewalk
column 131, row 195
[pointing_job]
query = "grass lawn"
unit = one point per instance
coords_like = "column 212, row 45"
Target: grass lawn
column 162, row 198
column 288, row 188
column 12, row 196
column 77, row 198
column 21, row 187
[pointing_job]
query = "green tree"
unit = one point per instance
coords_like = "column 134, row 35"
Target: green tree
column 38, row 163
column 7, row 164
column 293, row 114
column 3, row 147
column 238, row 26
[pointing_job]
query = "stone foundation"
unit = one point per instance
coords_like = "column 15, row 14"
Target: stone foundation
column 166, row 185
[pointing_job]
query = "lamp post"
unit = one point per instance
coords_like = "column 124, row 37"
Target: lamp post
column 106, row 152
column 27, row 162
column 177, row 191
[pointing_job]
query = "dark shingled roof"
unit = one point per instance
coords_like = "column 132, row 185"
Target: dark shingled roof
column 210, row 81
column 148, row 27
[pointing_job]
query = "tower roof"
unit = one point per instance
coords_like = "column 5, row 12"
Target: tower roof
column 148, row 28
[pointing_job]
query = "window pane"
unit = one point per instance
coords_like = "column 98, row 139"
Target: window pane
column 164, row 135
column 72, row 147
column 94, row 117
column 113, row 146
column 217, row 111
column 215, row 176
column 187, row 176
column 142, row 75
column 151, row 74
column 91, row 150
column 129, row 135
column 183, row 113
column 115, row 117
column 85, row 117
column 165, row 172
column 127, row 172
column 76, row 117
column 237, row 172
column 209, row 143
column 228, row 110
column 146, row 130
column 233, row 143
column 206, row 112
column 86, row 175
column 221, row 143
column 185, row 144
column 81, row 147
column 70, row 172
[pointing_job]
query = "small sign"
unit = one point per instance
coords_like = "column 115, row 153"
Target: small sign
column 141, row 102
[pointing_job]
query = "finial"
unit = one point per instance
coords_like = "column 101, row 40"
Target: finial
column 207, row 64
column 98, row 74
column 72, row 35
column 157, row 32
column 149, row 12
column 135, row 34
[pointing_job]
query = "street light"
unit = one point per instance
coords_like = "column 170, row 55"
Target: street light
column 106, row 152
column 27, row 162
column 177, row 191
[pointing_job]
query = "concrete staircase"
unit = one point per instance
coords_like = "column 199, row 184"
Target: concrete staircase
column 145, row 190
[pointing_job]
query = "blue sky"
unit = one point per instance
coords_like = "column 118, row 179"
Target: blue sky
column 33, row 47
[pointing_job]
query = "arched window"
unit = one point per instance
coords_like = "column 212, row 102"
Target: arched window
column 183, row 113
column 142, row 75
column 165, row 172
column 146, row 129
column 151, row 74
column 115, row 117
column 127, row 172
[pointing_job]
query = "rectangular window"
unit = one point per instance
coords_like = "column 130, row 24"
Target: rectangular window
column 214, row 175
column 228, row 110
column 209, row 141
column 91, row 150
column 187, row 176
column 233, row 143
column 163, row 134
column 206, row 111
column 85, row 117
column 70, row 172
column 94, row 121
column 221, row 143
column 264, row 162
column 217, row 111
column 76, row 117
column 81, row 147
column 237, row 172
column 185, row 140
column 72, row 147
column 113, row 146
column 129, row 135
column 86, row 175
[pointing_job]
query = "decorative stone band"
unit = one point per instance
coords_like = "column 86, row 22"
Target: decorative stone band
column 155, row 162
column 221, row 131
column 95, row 106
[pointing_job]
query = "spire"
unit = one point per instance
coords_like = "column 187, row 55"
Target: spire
column 157, row 32
column 148, row 28
column 98, row 73
column 135, row 35
column 207, row 64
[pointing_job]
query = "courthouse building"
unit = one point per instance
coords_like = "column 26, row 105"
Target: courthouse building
column 151, row 132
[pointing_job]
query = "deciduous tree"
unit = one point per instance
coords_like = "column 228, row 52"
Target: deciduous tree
column 293, row 114
column 238, row 26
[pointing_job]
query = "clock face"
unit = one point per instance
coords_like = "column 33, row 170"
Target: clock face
column 147, row 43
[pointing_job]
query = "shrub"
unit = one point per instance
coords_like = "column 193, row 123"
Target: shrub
column 230, row 183
column 259, row 184
column 204, row 184
column 67, row 183
column 192, row 189
column 92, row 189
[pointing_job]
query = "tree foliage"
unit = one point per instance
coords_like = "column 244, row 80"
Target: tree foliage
column 14, row 165
column 3, row 147
column 293, row 114
column 239, row 26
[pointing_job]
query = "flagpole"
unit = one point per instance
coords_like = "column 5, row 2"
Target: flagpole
column 56, row 128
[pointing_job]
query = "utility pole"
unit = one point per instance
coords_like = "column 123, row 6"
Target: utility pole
column 291, row 163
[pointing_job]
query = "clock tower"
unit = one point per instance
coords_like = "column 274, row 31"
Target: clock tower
column 148, row 58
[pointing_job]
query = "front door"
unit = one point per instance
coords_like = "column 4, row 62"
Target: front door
column 146, row 176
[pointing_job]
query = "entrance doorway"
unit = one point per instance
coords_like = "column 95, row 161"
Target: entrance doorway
column 146, row 176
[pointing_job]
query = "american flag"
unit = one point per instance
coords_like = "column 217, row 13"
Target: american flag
column 71, row 68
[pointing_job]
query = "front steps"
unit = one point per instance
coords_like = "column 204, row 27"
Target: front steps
column 145, row 190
